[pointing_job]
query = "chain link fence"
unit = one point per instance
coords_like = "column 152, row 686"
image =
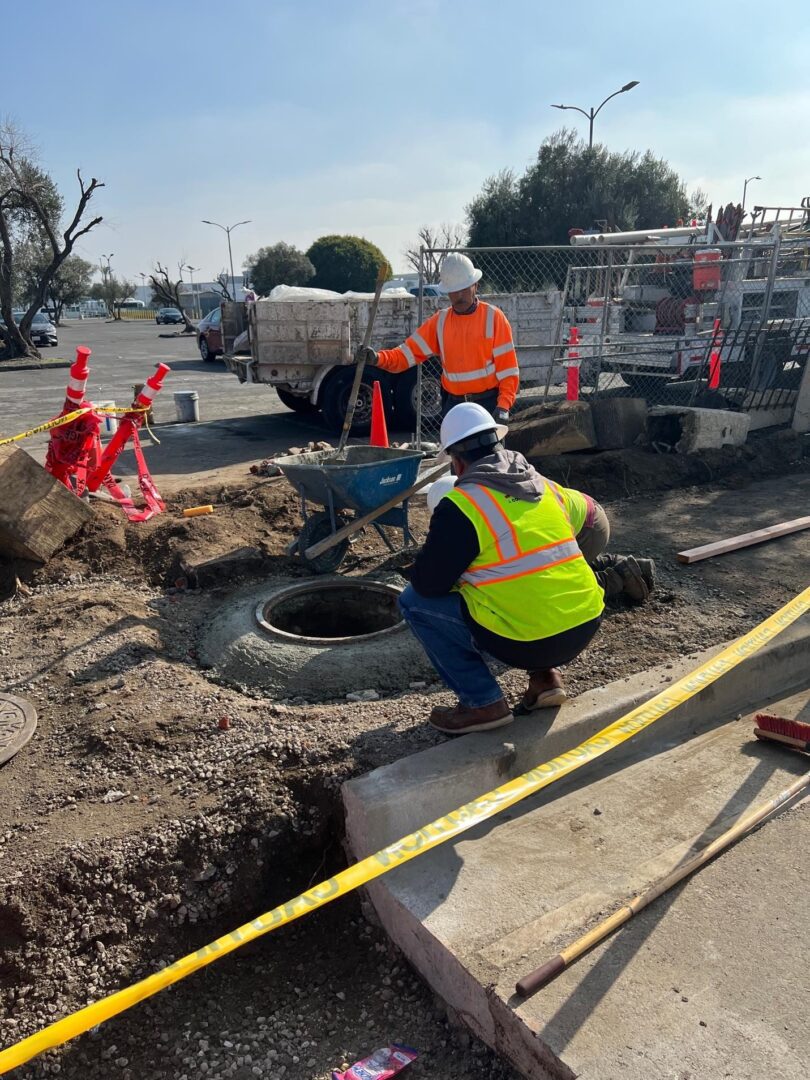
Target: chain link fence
column 678, row 321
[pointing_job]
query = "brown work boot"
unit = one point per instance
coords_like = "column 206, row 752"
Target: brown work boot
column 545, row 690
column 647, row 568
column 621, row 574
column 459, row 719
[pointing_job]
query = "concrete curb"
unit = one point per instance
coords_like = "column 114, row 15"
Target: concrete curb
column 434, row 907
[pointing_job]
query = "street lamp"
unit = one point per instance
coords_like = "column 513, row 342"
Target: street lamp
column 592, row 113
column 191, row 270
column 228, row 229
column 745, row 187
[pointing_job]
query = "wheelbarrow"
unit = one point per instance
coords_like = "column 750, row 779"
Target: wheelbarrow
column 362, row 479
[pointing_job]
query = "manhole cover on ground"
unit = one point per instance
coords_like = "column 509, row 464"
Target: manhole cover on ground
column 18, row 722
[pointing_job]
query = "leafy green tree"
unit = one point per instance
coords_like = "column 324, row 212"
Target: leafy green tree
column 70, row 284
column 279, row 264
column 571, row 186
column 113, row 291
column 346, row 263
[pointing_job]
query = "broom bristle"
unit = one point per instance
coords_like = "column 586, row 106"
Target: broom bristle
column 780, row 725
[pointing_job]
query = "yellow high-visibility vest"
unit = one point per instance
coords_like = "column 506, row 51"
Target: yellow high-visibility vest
column 529, row 580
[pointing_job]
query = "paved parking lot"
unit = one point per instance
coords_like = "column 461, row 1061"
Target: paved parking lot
column 239, row 423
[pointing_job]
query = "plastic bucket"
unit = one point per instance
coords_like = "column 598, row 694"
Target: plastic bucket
column 109, row 422
column 187, row 404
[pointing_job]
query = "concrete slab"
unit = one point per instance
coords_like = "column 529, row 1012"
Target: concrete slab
column 476, row 915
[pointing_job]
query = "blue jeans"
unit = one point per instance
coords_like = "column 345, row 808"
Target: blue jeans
column 438, row 624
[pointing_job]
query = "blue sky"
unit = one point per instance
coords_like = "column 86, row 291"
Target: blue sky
column 373, row 118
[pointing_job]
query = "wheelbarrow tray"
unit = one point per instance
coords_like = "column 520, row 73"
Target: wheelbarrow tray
column 363, row 478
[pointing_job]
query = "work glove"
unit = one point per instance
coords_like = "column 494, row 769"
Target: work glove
column 365, row 355
column 501, row 416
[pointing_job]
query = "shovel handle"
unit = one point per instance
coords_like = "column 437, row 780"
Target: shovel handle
column 359, row 368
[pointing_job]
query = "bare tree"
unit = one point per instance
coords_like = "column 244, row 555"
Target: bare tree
column 223, row 283
column 445, row 236
column 31, row 205
column 167, row 292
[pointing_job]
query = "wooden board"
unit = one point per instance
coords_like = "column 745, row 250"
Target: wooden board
column 734, row 543
column 37, row 513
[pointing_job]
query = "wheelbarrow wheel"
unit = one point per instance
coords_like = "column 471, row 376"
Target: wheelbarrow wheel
column 316, row 528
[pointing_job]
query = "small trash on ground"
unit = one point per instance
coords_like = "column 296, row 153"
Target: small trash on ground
column 363, row 695
column 381, row 1065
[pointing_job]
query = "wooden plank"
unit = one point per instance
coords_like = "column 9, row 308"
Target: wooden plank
column 734, row 543
column 37, row 513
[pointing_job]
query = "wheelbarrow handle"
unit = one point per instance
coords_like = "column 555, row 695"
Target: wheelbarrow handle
column 358, row 371
column 359, row 523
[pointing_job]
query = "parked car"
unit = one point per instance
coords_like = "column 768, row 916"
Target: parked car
column 43, row 332
column 209, row 335
column 169, row 315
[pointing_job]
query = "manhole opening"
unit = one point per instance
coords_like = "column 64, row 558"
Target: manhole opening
column 332, row 612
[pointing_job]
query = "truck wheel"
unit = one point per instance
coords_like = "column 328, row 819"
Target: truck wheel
column 335, row 393
column 295, row 402
column 405, row 389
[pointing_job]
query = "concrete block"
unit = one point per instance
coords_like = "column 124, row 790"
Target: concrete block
column 542, row 430
column 688, row 430
column 801, row 415
column 618, row 422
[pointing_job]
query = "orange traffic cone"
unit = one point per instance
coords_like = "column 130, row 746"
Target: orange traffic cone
column 379, row 430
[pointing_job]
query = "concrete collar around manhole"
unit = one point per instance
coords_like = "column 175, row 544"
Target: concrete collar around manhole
column 18, row 722
column 333, row 612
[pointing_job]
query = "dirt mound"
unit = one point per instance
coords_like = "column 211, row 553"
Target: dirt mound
column 619, row 474
column 263, row 516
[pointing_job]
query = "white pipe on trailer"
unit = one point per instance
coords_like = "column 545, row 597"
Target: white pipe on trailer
column 639, row 236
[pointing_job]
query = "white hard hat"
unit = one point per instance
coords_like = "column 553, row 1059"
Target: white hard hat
column 464, row 421
column 457, row 273
column 438, row 489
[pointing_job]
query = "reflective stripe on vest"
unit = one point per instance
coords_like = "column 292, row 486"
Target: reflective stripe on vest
column 489, row 332
column 440, row 329
column 528, row 563
column 499, row 525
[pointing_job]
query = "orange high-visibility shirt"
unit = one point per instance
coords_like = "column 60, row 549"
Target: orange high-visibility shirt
column 476, row 352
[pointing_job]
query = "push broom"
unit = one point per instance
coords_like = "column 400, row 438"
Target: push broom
column 792, row 733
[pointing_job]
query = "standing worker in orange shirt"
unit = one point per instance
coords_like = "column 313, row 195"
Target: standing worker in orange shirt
column 472, row 339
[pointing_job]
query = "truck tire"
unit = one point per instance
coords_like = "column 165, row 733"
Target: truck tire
column 405, row 387
column 295, row 402
column 335, row 393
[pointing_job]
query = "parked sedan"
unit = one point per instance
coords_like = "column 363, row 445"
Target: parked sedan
column 209, row 335
column 43, row 332
column 169, row 315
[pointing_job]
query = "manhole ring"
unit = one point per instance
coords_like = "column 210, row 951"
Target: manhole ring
column 345, row 591
column 18, row 722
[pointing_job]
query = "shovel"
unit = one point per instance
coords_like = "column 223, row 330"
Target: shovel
column 358, row 371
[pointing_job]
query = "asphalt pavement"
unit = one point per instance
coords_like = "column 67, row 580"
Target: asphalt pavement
column 239, row 423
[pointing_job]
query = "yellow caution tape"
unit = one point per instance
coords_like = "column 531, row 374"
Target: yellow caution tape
column 424, row 839
column 49, row 425
column 68, row 418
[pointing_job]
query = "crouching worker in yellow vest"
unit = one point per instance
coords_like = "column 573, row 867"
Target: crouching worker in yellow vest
column 500, row 573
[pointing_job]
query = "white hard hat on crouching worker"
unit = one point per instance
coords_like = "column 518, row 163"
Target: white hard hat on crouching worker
column 457, row 273
column 463, row 422
column 438, row 489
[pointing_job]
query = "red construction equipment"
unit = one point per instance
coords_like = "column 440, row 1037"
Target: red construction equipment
column 379, row 428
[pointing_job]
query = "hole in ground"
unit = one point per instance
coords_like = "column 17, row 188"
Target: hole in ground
column 332, row 611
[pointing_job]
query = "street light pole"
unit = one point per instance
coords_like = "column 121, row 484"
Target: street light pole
column 745, row 187
column 592, row 113
column 194, row 303
column 106, row 278
column 228, row 229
